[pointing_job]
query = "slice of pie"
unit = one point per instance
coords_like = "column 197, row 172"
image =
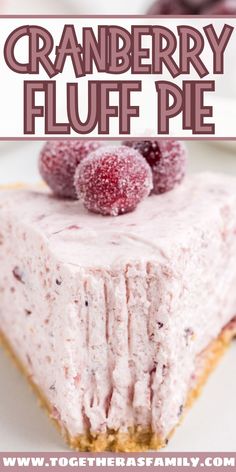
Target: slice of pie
column 118, row 321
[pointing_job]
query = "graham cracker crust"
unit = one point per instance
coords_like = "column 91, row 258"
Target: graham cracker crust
column 138, row 439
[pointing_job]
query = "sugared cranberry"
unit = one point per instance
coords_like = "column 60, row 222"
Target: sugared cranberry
column 169, row 7
column 58, row 161
column 197, row 6
column 167, row 159
column 113, row 180
column 181, row 7
column 221, row 7
column 149, row 149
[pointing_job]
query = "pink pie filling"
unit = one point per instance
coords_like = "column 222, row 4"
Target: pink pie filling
column 109, row 314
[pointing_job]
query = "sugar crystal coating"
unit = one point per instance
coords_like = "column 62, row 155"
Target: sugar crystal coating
column 113, row 180
column 167, row 159
column 58, row 161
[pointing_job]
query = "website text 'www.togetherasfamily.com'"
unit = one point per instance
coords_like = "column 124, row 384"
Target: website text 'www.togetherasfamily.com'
column 149, row 460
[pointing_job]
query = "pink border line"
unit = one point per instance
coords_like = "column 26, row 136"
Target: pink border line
column 163, row 17
column 120, row 138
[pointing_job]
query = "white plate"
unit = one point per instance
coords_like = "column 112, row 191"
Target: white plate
column 83, row 7
column 209, row 426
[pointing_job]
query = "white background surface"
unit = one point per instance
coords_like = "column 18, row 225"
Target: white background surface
column 83, row 7
column 210, row 424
